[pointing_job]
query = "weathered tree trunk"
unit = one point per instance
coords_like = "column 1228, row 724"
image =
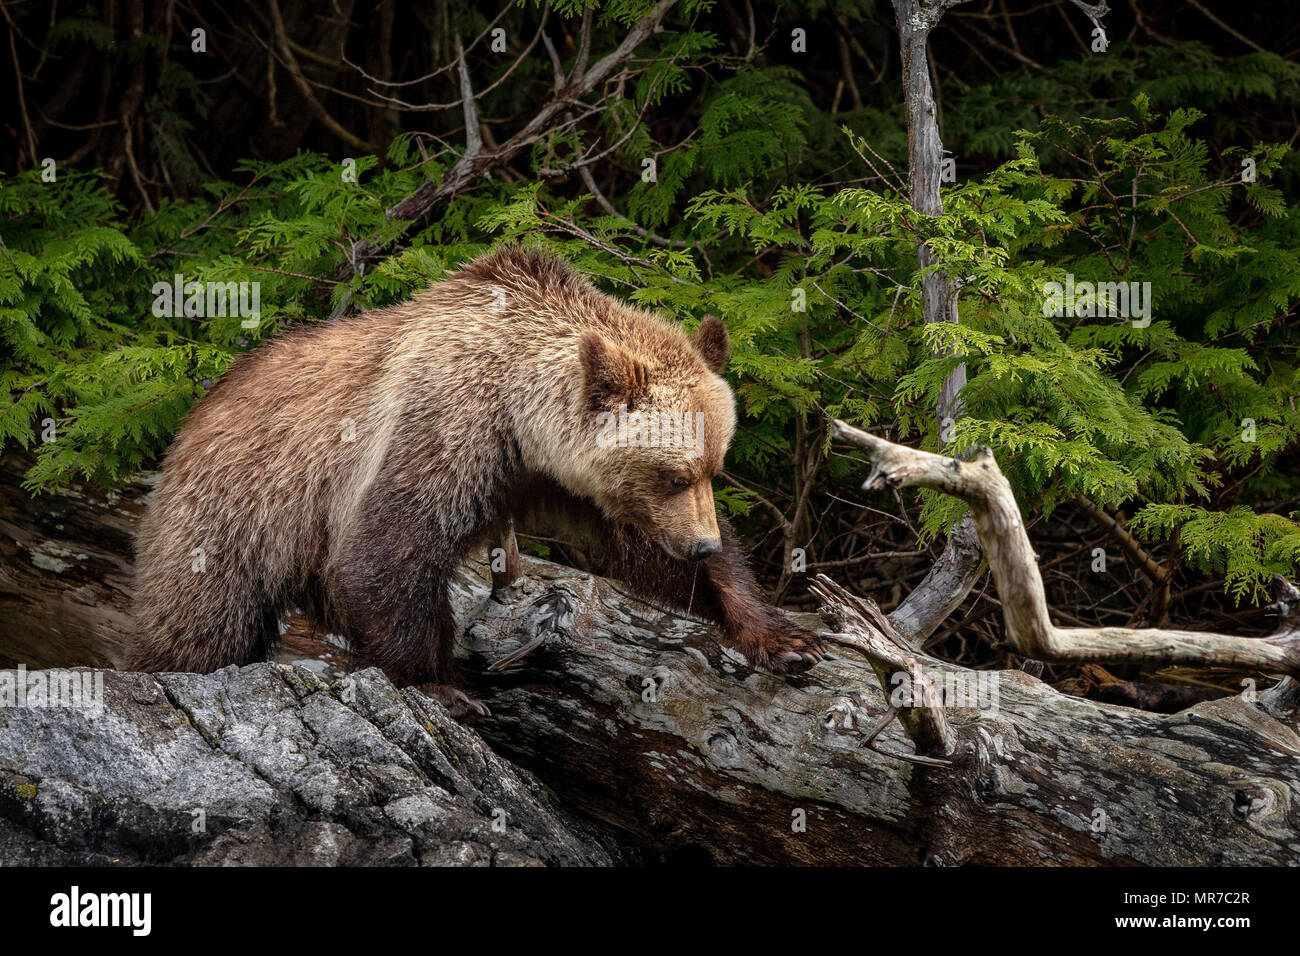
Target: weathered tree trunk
column 65, row 571
column 639, row 719
column 958, row 568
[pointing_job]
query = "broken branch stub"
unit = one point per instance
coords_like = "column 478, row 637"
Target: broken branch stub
column 858, row 623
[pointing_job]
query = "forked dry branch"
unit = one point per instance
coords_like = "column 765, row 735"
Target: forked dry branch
column 981, row 484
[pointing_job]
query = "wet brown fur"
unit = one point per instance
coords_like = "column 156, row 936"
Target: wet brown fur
column 347, row 468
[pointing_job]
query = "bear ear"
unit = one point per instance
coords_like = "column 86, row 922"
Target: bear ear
column 611, row 375
column 713, row 343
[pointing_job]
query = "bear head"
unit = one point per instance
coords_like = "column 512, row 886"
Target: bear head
column 661, row 423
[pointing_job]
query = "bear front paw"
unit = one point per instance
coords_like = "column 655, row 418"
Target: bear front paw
column 781, row 646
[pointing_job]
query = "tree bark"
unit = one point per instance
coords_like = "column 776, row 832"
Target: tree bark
column 958, row 568
column 639, row 719
column 66, row 562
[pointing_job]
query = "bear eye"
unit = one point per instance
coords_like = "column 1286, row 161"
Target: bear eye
column 680, row 484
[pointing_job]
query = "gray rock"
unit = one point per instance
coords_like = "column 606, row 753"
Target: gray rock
column 269, row 764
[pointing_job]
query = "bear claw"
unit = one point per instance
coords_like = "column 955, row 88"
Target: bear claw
column 456, row 702
column 785, row 648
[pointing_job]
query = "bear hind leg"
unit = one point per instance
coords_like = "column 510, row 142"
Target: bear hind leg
column 409, row 633
column 201, row 629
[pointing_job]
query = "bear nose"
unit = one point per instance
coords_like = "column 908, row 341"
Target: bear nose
column 705, row 547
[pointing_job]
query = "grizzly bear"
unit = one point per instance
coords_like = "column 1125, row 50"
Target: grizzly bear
column 346, row 468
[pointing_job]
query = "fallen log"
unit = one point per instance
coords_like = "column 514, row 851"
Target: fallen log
column 66, row 562
column 637, row 718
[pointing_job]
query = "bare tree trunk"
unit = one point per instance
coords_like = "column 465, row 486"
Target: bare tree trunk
column 957, row 569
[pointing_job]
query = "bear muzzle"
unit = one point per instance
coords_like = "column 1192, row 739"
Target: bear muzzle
column 705, row 547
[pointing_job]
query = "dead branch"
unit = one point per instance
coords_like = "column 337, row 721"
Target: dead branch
column 1093, row 11
column 981, row 484
column 567, row 93
column 300, row 80
column 457, row 63
column 858, row 623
